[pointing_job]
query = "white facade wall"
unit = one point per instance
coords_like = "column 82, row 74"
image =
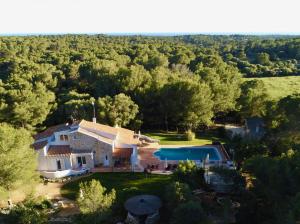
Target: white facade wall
column 57, row 138
column 49, row 163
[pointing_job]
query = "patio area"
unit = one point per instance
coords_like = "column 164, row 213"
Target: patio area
column 147, row 160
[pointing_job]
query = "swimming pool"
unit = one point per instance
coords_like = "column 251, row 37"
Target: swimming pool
column 190, row 153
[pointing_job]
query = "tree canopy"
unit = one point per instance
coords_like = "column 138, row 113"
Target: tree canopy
column 119, row 110
column 253, row 100
column 47, row 80
column 16, row 157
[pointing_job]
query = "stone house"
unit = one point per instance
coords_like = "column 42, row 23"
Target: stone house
column 84, row 145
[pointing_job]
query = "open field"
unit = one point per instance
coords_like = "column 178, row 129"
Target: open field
column 279, row 87
column 174, row 138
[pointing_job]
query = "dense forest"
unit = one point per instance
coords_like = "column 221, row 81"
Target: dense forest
column 180, row 82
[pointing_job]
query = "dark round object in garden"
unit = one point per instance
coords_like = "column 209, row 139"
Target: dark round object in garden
column 143, row 204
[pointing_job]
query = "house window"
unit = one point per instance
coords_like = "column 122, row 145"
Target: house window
column 64, row 138
column 75, row 137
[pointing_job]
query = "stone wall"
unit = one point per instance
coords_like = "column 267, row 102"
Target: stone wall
column 101, row 149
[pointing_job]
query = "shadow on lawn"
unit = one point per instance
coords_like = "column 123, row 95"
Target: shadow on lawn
column 209, row 135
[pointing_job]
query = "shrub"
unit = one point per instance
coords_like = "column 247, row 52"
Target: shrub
column 222, row 133
column 233, row 176
column 27, row 213
column 95, row 199
column 189, row 213
column 189, row 135
column 188, row 172
column 177, row 193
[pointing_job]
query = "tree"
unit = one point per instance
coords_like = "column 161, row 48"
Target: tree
column 186, row 103
column 135, row 80
column 18, row 160
column 263, row 58
column 283, row 123
column 119, row 110
column 99, row 77
column 95, row 198
column 76, row 106
column 275, row 186
column 224, row 82
column 189, row 213
column 25, row 103
column 253, row 100
column 246, row 148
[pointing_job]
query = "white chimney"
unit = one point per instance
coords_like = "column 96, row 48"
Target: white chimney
column 94, row 118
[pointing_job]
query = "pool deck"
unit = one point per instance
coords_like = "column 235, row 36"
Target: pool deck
column 146, row 156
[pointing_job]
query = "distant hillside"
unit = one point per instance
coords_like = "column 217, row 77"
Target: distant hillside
column 279, row 87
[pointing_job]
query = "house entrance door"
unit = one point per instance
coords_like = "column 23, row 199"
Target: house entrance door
column 58, row 164
column 81, row 161
column 106, row 161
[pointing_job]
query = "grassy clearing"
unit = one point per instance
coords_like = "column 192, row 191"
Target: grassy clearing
column 174, row 138
column 279, row 87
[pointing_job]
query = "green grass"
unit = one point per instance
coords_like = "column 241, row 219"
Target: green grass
column 279, row 87
column 174, row 138
column 124, row 183
column 126, row 186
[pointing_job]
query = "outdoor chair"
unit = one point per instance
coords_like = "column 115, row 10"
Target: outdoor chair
column 152, row 167
column 168, row 167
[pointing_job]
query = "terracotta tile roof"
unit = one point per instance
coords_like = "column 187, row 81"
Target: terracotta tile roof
column 39, row 145
column 59, row 150
column 49, row 131
column 99, row 127
column 92, row 129
column 125, row 136
column 78, row 151
column 93, row 135
column 122, row 152
column 128, row 139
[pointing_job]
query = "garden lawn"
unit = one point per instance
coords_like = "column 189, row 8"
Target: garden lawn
column 174, row 138
column 124, row 183
column 126, row 186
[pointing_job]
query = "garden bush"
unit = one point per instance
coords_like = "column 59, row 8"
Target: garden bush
column 189, row 213
column 188, row 172
column 190, row 136
column 28, row 212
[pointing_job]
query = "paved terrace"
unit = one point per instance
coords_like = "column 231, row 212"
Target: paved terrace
column 146, row 156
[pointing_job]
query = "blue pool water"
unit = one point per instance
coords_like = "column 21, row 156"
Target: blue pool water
column 190, row 153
